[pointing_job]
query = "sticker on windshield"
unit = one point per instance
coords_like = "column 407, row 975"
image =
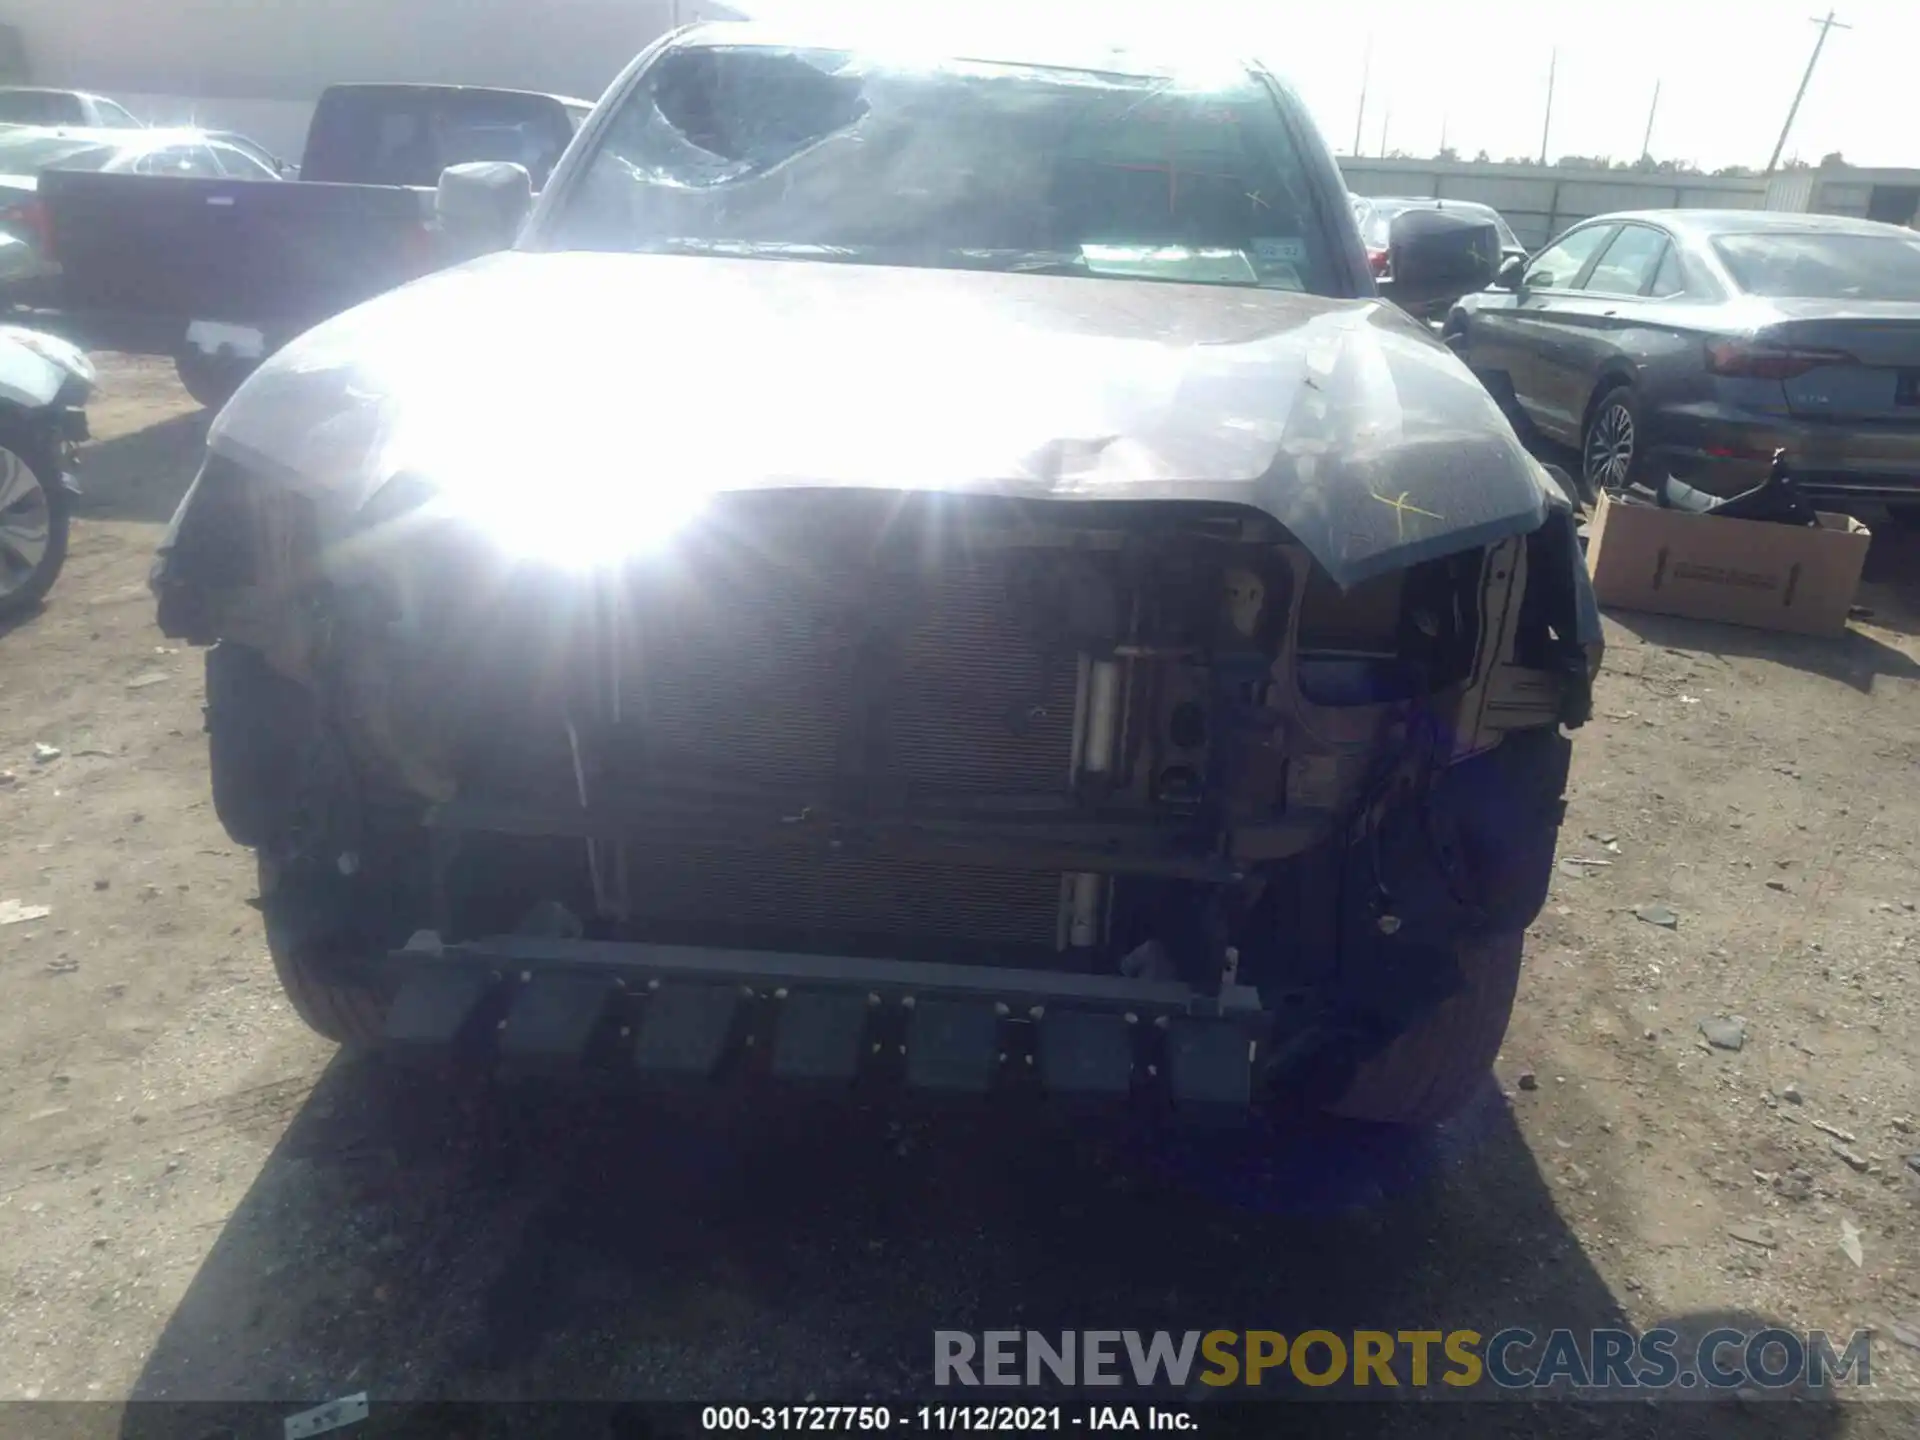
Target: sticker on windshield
column 1279, row 249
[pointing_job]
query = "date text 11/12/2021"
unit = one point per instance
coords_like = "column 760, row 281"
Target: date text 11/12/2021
column 941, row 1419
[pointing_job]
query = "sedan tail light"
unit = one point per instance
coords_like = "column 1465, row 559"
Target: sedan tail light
column 1749, row 360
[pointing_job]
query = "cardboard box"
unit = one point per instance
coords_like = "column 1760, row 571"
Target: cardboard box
column 1746, row 572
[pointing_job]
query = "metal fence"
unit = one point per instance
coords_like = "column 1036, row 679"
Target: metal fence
column 1540, row 202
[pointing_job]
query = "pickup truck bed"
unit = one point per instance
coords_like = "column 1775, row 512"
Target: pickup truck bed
column 142, row 256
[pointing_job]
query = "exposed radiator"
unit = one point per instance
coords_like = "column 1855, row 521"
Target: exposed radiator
column 791, row 674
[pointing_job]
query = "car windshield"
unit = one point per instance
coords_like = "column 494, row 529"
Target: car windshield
column 30, row 154
column 829, row 154
column 1377, row 219
column 1812, row 266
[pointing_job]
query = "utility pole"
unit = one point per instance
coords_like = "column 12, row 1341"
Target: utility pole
column 1812, row 60
column 1443, row 134
column 1386, row 124
column 1546, row 125
column 1366, row 67
column 1646, row 145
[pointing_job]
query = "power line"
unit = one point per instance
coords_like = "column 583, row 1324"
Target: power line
column 1812, row 60
column 1646, row 145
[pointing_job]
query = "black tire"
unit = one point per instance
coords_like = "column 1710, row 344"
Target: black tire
column 211, row 379
column 1571, row 488
column 1613, row 442
column 40, row 509
column 1432, row 1070
column 317, row 957
column 259, row 727
column 1904, row 514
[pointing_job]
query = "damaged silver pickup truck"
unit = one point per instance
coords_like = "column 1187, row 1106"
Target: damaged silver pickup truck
column 941, row 575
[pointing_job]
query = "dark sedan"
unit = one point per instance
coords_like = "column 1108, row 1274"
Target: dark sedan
column 1699, row 341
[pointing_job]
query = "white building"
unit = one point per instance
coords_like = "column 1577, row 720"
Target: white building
column 256, row 66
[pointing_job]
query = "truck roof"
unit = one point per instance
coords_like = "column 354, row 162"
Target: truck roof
column 1157, row 54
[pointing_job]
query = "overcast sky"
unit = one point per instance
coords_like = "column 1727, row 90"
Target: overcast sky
column 1727, row 68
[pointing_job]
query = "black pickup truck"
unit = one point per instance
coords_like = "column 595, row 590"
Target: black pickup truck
column 220, row 273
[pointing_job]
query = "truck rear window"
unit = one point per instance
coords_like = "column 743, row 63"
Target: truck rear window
column 40, row 107
column 408, row 137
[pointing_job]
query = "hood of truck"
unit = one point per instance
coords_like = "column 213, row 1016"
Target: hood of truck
column 601, row 398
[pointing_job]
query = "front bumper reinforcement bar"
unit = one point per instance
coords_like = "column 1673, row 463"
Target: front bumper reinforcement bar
column 666, row 1012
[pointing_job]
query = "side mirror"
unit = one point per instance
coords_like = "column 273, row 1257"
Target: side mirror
column 1512, row 270
column 480, row 206
column 1436, row 256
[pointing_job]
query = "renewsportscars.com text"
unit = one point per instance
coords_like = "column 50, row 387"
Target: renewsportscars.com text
column 1444, row 1360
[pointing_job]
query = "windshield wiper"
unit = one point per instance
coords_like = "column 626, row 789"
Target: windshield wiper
column 1019, row 262
column 1024, row 262
column 750, row 249
column 1163, row 264
column 1180, row 266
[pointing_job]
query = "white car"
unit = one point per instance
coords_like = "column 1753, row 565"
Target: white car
column 32, row 105
column 44, row 387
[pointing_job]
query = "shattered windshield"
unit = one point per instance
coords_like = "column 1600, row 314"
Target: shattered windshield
column 829, row 155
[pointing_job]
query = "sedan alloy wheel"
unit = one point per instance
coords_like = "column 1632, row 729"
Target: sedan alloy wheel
column 1609, row 451
column 33, row 534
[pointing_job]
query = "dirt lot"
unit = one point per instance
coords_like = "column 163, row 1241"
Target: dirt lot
column 199, row 1200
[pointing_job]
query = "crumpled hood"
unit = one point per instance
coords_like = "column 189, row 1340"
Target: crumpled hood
column 612, row 393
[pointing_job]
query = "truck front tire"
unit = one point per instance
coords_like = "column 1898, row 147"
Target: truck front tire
column 1439, row 985
column 1431, row 1070
column 211, row 379
column 316, row 954
column 324, row 918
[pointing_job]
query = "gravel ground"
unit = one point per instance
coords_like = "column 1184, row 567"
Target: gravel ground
column 199, row 1200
